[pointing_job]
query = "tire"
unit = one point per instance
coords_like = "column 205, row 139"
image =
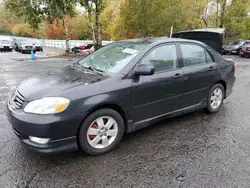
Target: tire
column 90, row 123
column 214, row 106
column 242, row 55
column 22, row 51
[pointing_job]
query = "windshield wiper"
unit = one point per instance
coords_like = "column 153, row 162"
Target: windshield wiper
column 94, row 70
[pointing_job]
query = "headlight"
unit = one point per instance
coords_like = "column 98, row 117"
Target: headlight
column 48, row 105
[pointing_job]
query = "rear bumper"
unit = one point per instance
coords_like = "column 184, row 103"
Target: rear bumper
column 229, row 92
column 230, row 84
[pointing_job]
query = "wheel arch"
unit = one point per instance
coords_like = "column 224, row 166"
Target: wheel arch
column 112, row 106
column 223, row 82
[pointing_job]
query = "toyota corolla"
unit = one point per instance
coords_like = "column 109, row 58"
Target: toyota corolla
column 122, row 87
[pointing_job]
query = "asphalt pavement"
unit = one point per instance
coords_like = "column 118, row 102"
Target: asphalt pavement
column 192, row 151
column 17, row 56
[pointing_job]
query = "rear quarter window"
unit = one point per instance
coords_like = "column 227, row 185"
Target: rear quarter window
column 217, row 57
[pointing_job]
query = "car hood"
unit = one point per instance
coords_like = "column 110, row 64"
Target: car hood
column 53, row 83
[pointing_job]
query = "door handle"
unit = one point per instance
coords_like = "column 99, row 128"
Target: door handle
column 177, row 75
column 211, row 68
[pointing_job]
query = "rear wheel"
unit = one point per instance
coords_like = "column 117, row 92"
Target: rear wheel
column 101, row 132
column 215, row 98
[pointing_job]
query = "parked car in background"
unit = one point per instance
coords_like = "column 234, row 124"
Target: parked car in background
column 26, row 47
column 89, row 51
column 5, row 45
column 18, row 43
column 78, row 49
column 38, row 46
column 233, row 47
column 245, row 51
column 122, row 87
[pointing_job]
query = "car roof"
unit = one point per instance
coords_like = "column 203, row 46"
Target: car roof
column 159, row 40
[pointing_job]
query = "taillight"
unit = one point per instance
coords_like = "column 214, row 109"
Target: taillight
column 234, row 66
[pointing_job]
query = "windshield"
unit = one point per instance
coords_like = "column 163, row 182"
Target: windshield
column 113, row 57
column 5, row 42
column 234, row 43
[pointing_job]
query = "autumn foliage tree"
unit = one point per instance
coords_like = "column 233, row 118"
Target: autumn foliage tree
column 121, row 19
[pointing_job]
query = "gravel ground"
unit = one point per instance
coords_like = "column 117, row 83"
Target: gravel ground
column 194, row 150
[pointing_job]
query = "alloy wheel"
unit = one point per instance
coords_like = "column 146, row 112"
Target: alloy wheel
column 102, row 132
column 216, row 98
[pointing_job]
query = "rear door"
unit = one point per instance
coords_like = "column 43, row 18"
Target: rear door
column 199, row 73
column 160, row 93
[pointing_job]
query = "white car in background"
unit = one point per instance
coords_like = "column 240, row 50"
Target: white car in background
column 5, row 44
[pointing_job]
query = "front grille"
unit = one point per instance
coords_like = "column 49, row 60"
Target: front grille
column 6, row 47
column 16, row 102
column 28, row 46
column 248, row 49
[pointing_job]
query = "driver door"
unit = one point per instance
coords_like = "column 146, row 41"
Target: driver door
column 160, row 93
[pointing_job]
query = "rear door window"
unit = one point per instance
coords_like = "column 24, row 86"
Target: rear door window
column 193, row 55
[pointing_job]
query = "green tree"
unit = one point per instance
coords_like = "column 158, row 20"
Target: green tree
column 81, row 28
column 94, row 9
column 113, row 24
column 23, row 30
column 233, row 16
column 145, row 18
column 246, row 33
column 8, row 20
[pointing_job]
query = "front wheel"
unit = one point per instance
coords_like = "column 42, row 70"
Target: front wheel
column 215, row 98
column 101, row 132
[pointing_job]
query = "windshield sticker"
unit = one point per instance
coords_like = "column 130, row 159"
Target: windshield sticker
column 129, row 51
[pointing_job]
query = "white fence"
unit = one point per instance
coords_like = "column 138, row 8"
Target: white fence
column 72, row 43
column 59, row 43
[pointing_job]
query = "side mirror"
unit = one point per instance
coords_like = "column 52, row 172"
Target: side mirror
column 144, row 70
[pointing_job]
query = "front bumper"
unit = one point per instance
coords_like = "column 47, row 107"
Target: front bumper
column 230, row 51
column 37, row 48
column 26, row 50
column 62, row 131
column 6, row 49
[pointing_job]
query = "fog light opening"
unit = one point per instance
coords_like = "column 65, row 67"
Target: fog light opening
column 39, row 140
